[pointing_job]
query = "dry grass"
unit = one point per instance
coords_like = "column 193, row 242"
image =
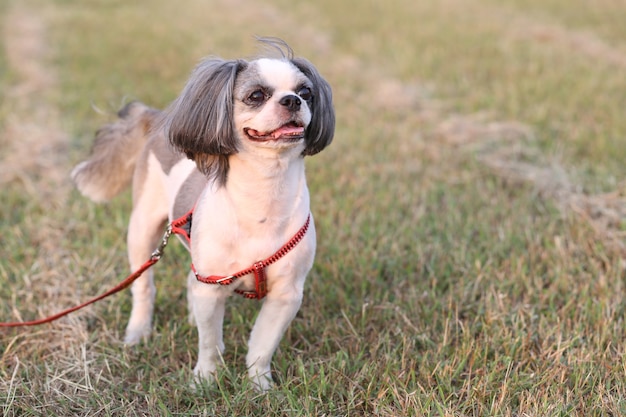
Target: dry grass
column 471, row 211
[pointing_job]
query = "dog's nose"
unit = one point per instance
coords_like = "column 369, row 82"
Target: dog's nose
column 292, row 102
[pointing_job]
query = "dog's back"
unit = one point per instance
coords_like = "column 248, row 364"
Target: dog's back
column 116, row 148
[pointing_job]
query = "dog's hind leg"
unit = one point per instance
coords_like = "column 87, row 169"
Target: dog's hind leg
column 145, row 229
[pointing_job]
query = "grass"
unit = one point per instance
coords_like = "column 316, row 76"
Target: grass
column 471, row 211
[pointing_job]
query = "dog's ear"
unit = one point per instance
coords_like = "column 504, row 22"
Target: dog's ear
column 321, row 130
column 200, row 121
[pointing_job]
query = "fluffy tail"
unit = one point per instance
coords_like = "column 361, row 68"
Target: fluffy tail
column 116, row 148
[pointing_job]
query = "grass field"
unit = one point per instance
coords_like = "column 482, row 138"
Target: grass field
column 471, row 212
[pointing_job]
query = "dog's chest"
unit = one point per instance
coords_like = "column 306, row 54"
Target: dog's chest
column 222, row 245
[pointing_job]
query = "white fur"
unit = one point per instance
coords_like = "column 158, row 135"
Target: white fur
column 177, row 176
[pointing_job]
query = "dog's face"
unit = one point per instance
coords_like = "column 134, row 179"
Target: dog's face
column 229, row 106
column 272, row 105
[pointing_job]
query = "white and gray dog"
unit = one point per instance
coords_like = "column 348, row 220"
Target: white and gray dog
column 232, row 144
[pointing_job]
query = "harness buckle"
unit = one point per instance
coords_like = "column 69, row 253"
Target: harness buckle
column 230, row 277
column 158, row 252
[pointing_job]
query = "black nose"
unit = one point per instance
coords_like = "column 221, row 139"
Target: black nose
column 291, row 101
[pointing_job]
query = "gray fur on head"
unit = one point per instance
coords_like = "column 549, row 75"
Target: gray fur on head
column 277, row 45
column 321, row 130
column 200, row 123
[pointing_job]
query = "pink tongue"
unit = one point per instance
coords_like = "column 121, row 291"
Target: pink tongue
column 287, row 130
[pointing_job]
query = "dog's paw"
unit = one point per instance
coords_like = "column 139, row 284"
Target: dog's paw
column 262, row 382
column 135, row 334
column 203, row 377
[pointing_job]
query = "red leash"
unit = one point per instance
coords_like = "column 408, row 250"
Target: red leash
column 154, row 258
column 112, row 291
column 178, row 227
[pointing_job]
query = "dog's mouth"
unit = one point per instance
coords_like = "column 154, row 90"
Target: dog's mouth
column 291, row 131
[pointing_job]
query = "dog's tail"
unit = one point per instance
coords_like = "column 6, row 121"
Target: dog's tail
column 116, row 148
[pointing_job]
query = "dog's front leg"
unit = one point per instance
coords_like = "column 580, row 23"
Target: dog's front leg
column 274, row 318
column 207, row 305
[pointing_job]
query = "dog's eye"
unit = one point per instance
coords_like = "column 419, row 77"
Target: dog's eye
column 305, row 93
column 256, row 97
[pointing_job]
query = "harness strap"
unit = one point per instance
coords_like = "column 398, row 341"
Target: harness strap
column 182, row 225
column 258, row 268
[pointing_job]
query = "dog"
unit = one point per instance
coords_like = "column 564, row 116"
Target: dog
column 232, row 145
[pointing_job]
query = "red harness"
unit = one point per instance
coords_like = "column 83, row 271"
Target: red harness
column 182, row 226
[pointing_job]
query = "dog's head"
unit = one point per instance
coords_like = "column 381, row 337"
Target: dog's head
column 229, row 106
